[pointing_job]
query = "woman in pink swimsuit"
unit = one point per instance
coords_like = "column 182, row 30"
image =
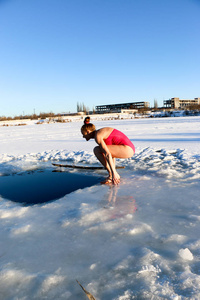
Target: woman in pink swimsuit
column 112, row 144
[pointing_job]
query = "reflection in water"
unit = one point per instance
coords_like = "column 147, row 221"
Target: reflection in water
column 112, row 208
column 121, row 205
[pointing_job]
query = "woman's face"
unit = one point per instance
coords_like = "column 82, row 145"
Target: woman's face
column 87, row 135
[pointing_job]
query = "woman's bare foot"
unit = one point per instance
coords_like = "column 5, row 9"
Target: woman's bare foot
column 108, row 180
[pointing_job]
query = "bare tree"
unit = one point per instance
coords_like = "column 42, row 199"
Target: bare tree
column 155, row 104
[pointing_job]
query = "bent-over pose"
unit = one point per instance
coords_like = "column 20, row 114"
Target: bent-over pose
column 112, row 144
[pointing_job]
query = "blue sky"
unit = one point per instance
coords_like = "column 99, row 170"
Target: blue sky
column 55, row 53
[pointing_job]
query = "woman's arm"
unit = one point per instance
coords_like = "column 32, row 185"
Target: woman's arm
column 108, row 157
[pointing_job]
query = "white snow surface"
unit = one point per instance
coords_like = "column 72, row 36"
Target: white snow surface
column 138, row 240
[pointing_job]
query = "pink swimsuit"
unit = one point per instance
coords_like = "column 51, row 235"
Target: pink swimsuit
column 118, row 138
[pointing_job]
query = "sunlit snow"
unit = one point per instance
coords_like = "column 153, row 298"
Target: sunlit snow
column 138, row 240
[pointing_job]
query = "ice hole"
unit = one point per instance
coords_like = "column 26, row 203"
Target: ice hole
column 36, row 187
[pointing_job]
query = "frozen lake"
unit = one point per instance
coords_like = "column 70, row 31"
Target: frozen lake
column 138, row 240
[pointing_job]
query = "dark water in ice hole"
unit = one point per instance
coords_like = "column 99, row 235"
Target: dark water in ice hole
column 41, row 186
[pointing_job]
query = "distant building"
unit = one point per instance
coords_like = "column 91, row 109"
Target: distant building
column 176, row 103
column 121, row 106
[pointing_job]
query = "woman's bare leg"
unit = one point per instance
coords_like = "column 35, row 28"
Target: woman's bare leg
column 100, row 156
column 120, row 151
column 116, row 151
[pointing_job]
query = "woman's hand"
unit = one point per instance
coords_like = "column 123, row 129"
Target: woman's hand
column 115, row 178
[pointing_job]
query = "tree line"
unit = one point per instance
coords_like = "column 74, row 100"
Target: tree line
column 81, row 107
column 31, row 117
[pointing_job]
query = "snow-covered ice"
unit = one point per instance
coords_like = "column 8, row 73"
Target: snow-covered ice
column 138, row 240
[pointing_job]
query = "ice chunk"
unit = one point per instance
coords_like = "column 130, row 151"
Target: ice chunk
column 185, row 254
